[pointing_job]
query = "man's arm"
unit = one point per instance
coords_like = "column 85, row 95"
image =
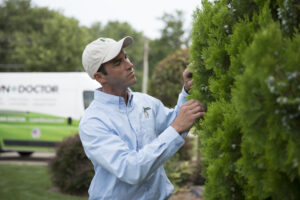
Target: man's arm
column 108, row 150
column 104, row 147
column 166, row 116
column 187, row 78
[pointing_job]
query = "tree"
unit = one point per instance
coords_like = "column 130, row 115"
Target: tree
column 167, row 80
column 171, row 39
column 38, row 39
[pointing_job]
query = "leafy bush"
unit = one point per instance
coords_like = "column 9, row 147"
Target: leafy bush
column 166, row 81
column 185, row 153
column 178, row 171
column 245, row 57
column 71, row 171
column 183, row 172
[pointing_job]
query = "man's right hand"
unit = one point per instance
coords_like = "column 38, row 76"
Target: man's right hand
column 188, row 113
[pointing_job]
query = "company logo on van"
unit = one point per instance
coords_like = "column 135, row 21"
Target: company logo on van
column 29, row 89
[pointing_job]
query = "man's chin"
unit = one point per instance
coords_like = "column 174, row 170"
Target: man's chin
column 133, row 81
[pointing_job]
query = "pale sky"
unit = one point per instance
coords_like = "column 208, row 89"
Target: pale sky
column 141, row 15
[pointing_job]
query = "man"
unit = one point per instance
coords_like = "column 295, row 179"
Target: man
column 127, row 135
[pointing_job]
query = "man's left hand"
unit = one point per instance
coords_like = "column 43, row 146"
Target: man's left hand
column 187, row 78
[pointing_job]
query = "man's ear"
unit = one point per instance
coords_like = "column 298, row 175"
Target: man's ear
column 100, row 77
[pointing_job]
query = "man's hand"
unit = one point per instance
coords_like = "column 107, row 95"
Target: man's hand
column 188, row 113
column 187, row 78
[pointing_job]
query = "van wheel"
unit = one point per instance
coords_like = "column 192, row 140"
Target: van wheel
column 25, row 153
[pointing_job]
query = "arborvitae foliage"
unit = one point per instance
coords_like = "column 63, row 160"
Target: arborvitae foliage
column 267, row 100
column 220, row 139
column 246, row 57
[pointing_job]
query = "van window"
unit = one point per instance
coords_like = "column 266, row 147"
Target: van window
column 88, row 97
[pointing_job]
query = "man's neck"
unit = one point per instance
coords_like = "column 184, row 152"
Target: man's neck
column 117, row 92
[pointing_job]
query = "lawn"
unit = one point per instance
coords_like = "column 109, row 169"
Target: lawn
column 23, row 182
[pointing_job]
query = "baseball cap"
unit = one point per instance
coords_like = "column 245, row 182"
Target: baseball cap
column 101, row 51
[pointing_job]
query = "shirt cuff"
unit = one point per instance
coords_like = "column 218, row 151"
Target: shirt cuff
column 183, row 92
column 183, row 135
column 170, row 135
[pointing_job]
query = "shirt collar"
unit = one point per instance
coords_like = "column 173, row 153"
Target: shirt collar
column 112, row 99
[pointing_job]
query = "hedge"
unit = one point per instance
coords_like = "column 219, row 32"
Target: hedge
column 246, row 62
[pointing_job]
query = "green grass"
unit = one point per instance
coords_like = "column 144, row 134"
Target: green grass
column 22, row 182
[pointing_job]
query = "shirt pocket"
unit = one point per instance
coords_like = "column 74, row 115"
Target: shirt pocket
column 148, row 126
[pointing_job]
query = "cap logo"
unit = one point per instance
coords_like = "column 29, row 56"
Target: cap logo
column 101, row 39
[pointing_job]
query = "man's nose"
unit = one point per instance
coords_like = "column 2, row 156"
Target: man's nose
column 129, row 64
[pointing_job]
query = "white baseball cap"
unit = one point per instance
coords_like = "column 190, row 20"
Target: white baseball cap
column 101, row 51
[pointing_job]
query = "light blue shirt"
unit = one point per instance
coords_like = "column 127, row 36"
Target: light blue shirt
column 128, row 145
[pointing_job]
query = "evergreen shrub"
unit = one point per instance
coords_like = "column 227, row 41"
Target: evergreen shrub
column 246, row 57
column 71, row 171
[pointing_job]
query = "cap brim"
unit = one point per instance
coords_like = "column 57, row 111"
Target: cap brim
column 116, row 49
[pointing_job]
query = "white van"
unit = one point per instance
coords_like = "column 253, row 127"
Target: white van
column 40, row 109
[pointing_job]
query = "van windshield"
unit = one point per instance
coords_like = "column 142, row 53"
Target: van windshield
column 88, row 97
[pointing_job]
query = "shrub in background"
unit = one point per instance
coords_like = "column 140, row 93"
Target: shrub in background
column 166, row 81
column 71, row 171
column 245, row 58
column 178, row 171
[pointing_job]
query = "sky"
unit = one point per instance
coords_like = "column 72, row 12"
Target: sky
column 140, row 14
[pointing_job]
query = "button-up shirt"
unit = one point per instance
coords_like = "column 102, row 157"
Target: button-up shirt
column 128, row 145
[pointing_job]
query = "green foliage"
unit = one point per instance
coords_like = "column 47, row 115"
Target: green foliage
column 29, row 182
column 220, row 148
column 245, row 58
column 270, row 85
column 37, row 39
column 172, row 32
column 178, row 171
column 166, row 81
column 185, row 153
column 171, row 39
column 71, row 170
column 181, row 169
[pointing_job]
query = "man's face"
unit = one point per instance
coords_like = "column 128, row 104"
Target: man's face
column 120, row 73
